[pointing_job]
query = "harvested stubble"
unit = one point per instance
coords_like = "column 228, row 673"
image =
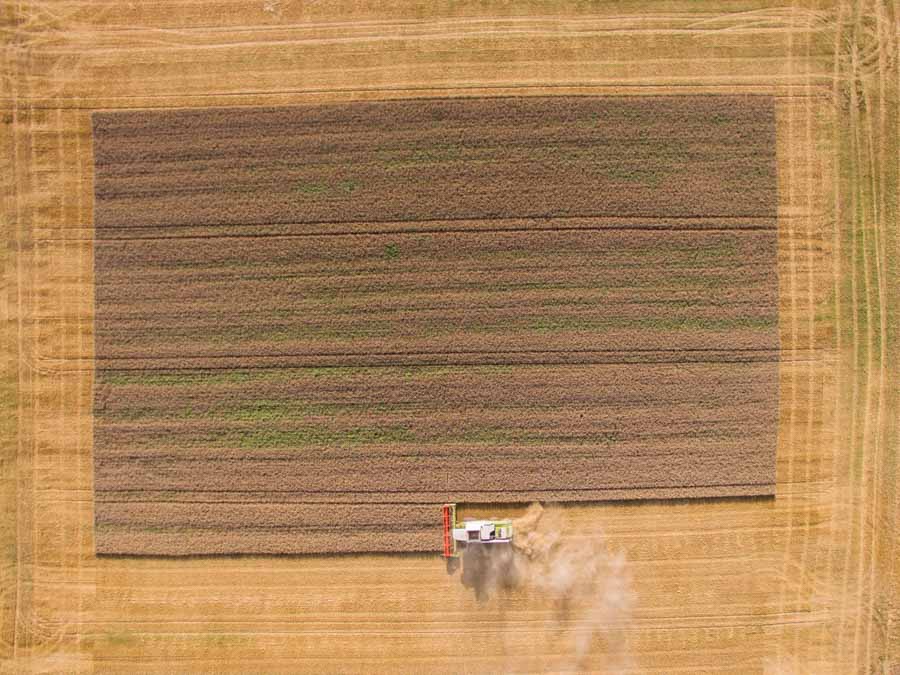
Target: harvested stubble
column 306, row 317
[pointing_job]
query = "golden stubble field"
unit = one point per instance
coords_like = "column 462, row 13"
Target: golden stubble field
column 807, row 582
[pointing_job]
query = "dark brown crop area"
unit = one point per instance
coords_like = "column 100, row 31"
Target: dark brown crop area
column 315, row 324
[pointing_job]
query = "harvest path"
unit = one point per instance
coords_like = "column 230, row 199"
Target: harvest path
column 302, row 310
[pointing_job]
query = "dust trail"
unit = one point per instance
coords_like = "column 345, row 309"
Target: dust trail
column 589, row 587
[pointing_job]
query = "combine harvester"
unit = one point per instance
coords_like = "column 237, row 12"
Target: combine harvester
column 459, row 536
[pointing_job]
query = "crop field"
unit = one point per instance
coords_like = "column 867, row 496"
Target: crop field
column 696, row 335
column 493, row 300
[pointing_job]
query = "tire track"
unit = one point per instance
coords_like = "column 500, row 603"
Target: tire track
column 877, row 191
column 864, row 595
column 689, row 639
column 837, row 590
column 793, row 343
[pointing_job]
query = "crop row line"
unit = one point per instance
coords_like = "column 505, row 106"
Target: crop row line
column 455, row 219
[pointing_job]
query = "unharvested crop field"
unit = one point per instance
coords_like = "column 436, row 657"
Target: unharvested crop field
column 374, row 164
column 302, row 310
column 805, row 581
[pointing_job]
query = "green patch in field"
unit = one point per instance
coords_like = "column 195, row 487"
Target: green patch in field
column 323, row 435
column 418, row 156
column 719, row 118
column 135, row 414
column 256, row 411
column 299, row 331
column 341, row 188
column 861, row 322
column 310, row 188
column 722, row 249
column 498, row 369
column 391, row 251
column 656, row 323
column 275, row 410
column 121, row 639
column 348, row 186
column 625, row 174
column 181, row 378
column 592, row 121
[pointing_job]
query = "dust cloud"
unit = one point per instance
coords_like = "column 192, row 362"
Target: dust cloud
column 588, row 587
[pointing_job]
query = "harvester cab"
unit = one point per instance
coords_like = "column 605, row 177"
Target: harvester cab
column 470, row 532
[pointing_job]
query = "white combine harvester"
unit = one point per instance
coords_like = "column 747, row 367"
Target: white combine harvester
column 458, row 536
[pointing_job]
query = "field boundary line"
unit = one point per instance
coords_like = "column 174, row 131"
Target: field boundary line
column 758, row 88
